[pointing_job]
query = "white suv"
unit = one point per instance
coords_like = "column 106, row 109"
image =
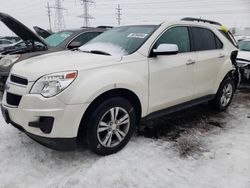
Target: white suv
column 102, row 90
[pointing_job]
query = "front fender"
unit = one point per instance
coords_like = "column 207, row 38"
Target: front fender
column 92, row 83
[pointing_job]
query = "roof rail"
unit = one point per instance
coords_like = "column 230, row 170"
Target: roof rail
column 104, row 27
column 201, row 20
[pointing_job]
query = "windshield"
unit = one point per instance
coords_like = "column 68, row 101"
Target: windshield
column 121, row 41
column 57, row 38
column 244, row 45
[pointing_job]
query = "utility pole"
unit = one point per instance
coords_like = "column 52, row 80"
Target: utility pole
column 49, row 15
column 119, row 14
column 59, row 17
column 86, row 16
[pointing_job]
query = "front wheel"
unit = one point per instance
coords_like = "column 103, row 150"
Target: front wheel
column 224, row 95
column 111, row 126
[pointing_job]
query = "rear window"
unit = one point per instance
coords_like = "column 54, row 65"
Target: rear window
column 57, row 38
column 204, row 39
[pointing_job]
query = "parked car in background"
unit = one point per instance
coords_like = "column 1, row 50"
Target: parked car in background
column 12, row 47
column 101, row 91
column 243, row 60
column 41, row 32
column 35, row 46
column 14, row 39
column 4, row 43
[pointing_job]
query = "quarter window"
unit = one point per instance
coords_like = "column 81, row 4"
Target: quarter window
column 219, row 44
column 178, row 36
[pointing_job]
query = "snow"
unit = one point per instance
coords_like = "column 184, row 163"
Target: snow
column 110, row 48
column 221, row 159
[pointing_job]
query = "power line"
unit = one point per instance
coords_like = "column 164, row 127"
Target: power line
column 119, row 14
column 49, row 15
column 59, row 17
column 86, row 16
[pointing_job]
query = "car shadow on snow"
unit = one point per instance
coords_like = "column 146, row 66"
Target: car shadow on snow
column 173, row 125
column 187, row 129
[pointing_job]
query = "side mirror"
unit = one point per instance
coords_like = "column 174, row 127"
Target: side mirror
column 75, row 44
column 166, row 49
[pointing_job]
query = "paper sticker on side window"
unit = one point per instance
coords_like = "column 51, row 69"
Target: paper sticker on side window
column 138, row 35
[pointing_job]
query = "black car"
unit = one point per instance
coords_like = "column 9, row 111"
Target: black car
column 11, row 38
column 35, row 45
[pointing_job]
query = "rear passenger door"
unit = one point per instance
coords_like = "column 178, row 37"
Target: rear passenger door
column 209, row 60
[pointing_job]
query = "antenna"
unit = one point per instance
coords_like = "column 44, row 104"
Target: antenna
column 49, row 15
column 59, row 17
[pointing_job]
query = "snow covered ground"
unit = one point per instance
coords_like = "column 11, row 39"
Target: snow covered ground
column 196, row 148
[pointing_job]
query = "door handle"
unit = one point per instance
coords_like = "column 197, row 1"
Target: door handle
column 221, row 56
column 190, row 62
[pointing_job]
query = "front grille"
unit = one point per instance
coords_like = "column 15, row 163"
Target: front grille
column 18, row 80
column 13, row 99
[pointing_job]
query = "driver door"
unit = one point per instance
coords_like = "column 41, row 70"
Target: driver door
column 171, row 80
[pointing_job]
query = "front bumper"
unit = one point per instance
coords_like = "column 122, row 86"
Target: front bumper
column 27, row 114
column 62, row 144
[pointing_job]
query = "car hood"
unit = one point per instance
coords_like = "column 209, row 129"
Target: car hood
column 41, row 32
column 20, row 29
column 36, row 67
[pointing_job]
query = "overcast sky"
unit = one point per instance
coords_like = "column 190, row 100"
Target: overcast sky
column 33, row 12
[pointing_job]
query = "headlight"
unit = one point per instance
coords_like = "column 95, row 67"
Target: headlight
column 52, row 84
column 8, row 60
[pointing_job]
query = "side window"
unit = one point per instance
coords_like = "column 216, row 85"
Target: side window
column 86, row 37
column 178, row 36
column 219, row 44
column 205, row 39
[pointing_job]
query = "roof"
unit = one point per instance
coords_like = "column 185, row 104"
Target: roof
column 85, row 29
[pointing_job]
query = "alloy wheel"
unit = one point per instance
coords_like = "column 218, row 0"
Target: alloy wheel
column 227, row 94
column 113, row 127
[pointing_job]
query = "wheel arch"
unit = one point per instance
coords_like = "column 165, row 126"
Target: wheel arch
column 117, row 92
column 234, row 75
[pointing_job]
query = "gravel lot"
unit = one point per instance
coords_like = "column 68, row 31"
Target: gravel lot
column 197, row 147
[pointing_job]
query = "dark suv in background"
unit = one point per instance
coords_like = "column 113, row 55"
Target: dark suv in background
column 33, row 45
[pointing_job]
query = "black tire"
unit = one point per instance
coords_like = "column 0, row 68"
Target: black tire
column 217, row 102
column 102, row 110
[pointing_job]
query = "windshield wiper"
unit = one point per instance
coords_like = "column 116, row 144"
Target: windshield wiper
column 97, row 52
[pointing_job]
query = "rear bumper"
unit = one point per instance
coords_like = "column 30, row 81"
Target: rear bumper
column 61, row 144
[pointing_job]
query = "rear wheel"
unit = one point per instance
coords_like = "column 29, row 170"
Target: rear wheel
column 111, row 126
column 224, row 95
